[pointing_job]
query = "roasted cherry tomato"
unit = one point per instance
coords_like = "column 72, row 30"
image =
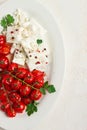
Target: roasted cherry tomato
column 2, row 40
column 29, row 78
column 7, row 79
column 16, row 84
column 3, row 95
column 5, row 105
column 7, row 87
column 25, row 90
column 39, row 82
column 13, row 67
column 10, row 112
column 5, row 49
column 35, row 95
column 14, row 97
column 37, row 73
column 19, row 107
column 4, row 62
column 26, row 100
column 21, row 73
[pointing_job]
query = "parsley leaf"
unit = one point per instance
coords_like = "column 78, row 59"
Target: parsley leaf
column 9, row 19
column 3, row 23
column 49, row 88
column 6, row 21
column 31, row 108
column 43, row 91
column 46, row 84
column 39, row 41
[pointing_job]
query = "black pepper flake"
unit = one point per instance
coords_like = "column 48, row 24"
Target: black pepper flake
column 26, row 56
column 29, row 52
column 16, row 29
column 20, row 51
column 35, row 57
column 30, row 55
column 44, row 49
column 12, row 38
column 47, row 56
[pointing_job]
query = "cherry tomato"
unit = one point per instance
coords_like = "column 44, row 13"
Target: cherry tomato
column 4, row 62
column 7, row 79
column 0, row 85
column 5, row 49
column 25, row 90
column 2, row 40
column 10, row 112
column 26, row 100
column 5, row 105
column 37, row 73
column 21, row 73
column 39, row 82
column 29, row 78
column 16, row 84
column 13, row 67
column 3, row 95
column 7, row 87
column 14, row 97
column 19, row 107
column 35, row 95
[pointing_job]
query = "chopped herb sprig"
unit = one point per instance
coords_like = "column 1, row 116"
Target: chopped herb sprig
column 47, row 87
column 39, row 41
column 8, row 20
column 31, row 108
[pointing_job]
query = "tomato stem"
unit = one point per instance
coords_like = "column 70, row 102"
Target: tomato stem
column 32, row 86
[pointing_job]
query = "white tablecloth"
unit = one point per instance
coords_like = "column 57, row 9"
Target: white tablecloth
column 71, row 109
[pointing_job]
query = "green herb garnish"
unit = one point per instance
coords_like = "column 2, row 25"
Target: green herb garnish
column 49, row 88
column 7, row 21
column 39, row 41
column 31, row 108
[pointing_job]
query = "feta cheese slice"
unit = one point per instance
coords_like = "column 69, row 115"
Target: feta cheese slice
column 13, row 34
column 37, row 60
column 19, row 56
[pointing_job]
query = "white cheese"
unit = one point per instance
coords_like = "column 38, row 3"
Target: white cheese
column 25, row 32
column 19, row 55
column 37, row 60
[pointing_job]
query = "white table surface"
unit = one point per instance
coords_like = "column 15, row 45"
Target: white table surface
column 70, row 112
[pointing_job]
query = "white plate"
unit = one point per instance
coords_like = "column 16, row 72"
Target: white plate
column 38, row 11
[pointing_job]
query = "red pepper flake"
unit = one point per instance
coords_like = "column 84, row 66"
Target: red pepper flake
column 12, row 32
column 37, row 62
column 46, row 62
column 38, row 50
